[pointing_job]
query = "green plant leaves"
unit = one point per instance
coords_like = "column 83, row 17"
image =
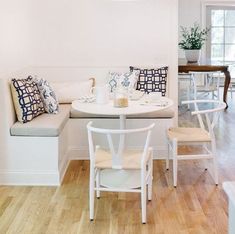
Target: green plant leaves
column 193, row 38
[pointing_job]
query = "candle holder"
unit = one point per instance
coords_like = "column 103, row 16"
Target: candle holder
column 120, row 97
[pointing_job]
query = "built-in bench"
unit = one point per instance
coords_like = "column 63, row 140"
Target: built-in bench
column 38, row 152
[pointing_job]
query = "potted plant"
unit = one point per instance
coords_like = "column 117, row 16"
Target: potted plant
column 193, row 38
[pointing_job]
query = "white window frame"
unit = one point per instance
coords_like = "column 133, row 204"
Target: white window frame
column 204, row 6
column 208, row 19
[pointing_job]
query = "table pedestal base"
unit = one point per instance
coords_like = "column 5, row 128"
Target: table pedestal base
column 127, row 179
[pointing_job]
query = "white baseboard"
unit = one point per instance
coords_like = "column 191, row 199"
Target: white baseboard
column 35, row 178
column 83, row 154
column 63, row 166
column 29, row 178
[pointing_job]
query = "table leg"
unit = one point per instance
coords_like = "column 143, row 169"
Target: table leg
column 122, row 121
column 226, row 86
column 122, row 137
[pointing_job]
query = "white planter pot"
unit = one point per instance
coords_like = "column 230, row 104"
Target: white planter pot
column 192, row 56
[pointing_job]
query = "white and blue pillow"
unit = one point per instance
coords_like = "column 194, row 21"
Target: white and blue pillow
column 126, row 80
column 48, row 96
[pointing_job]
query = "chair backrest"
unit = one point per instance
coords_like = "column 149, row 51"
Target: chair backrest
column 211, row 78
column 117, row 155
column 211, row 115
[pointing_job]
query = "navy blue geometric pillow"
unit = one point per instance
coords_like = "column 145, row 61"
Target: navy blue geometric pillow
column 152, row 80
column 27, row 99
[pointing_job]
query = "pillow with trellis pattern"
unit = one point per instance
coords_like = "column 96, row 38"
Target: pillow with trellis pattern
column 27, row 99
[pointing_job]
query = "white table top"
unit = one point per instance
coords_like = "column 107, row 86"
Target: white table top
column 134, row 107
column 229, row 188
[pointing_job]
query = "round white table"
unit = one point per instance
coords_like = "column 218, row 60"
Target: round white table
column 134, row 108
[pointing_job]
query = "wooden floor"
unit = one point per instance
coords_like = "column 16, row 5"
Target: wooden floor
column 195, row 206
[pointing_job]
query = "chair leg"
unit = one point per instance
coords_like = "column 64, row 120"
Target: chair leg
column 98, row 183
column 231, row 90
column 143, row 196
column 175, row 162
column 205, row 146
column 150, row 182
column 195, row 92
column 168, row 156
column 215, row 166
column 188, row 96
column 92, row 193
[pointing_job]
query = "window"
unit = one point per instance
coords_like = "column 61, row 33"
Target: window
column 221, row 42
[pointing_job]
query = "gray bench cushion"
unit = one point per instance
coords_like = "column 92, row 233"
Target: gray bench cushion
column 50, row 125
column 45, row 125
column 167, row 113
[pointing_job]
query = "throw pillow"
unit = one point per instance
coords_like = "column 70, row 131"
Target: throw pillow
column 66, row 92
column 127, row 80
column 152, row 80
column 27, row 99
column 48, row 96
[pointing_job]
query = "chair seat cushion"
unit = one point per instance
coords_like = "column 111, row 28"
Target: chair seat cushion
column 131, row 159
column 166, row 113
column 45, row 125
column 188, row 134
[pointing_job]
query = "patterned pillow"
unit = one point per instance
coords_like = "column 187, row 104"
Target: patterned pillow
column 27, row 99
column 127, row 80
column 48, row 96
column 152, row 80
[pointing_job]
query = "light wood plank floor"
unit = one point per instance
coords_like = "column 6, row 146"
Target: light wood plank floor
column 195, row 206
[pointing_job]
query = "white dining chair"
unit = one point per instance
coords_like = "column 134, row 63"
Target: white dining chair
column 120, row 159
column 211, row 84
column 203, row 135
column 185, row 79
column 232, row 82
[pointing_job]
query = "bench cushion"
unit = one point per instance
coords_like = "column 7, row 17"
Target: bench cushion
column 45, row 125
column 164, row 114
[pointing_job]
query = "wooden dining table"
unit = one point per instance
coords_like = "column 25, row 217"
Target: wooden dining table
column 207, row 66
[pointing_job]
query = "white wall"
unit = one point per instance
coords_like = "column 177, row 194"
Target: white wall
column 102, row 32
column 106, row 33
column 90, row 33
column 189, row 12
column 15, row 36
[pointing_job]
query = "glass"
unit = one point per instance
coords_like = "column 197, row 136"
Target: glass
column 217, row 52
column 232, row 70
column 217, row 17
column 230, row 35
column 217, row 35
column 121, row 97
column 229, row 52
column 230, row 18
